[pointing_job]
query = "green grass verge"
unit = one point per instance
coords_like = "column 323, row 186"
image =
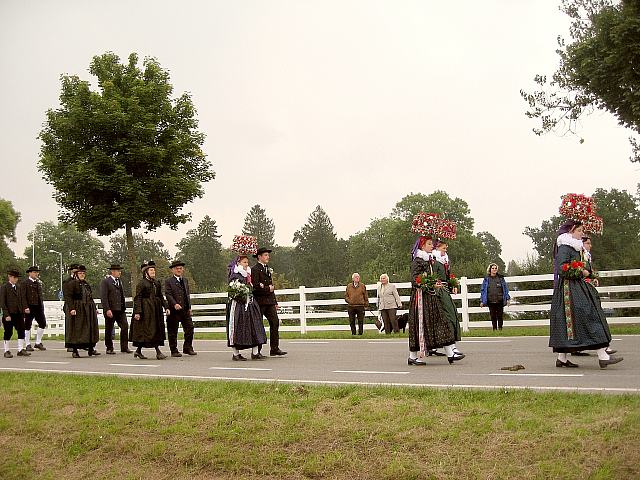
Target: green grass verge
column 64, row 426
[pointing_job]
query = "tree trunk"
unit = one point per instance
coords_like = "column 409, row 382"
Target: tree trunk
column 131, row 255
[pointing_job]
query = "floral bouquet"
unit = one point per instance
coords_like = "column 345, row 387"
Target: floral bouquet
column 238, row 290
column 453, row 282
column 427, row 281
column 593, row 278
column 573, row 270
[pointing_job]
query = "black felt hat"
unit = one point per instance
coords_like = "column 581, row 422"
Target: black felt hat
column 177, row 263
column 115, row 266
column 33, row 268
column 81, row 268
column 262, row 250
column 147, row 264
column 14, row 272
column 72, row 267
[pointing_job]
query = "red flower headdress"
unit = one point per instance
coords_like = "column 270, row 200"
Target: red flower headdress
column 425, row 223
column 244, row 244
column 580, row 207
column 446, row 229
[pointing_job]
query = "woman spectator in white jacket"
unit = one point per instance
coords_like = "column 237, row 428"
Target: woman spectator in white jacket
column 388, row 304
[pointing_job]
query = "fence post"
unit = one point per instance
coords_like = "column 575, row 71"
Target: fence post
column 303, row 310
column 464, row 294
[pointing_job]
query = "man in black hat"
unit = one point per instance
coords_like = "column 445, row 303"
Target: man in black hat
column 263, row 292
column 176, row 290
column 12, row 316
column 114, row 309
column 32, row 304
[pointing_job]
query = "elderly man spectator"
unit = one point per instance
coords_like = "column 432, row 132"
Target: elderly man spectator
column 388, row 304
column 357, row 299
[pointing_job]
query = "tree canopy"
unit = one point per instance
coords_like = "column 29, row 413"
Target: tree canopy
column 9, row 219
column 257, row 223
column 598, row 69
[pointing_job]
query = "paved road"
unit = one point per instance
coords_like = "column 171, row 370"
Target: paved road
column 365, row 362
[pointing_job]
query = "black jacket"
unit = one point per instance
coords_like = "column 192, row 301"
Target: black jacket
column 30, row 293
column 176, row 294
column 262, row 294
column 9, row 301
column 112, row 297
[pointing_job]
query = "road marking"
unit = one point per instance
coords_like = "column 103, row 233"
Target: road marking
column 215, row 351
column 370, row 371
column 309, row 342
column 537, row 374
column 57, row 363
column 241, row 368
column 332, row 382
column 133, row 365
column 485, row 341
column 378, row 342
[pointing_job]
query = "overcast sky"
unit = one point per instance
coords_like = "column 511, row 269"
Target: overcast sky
column 347, row 104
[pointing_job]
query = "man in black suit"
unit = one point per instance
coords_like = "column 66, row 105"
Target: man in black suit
column 263, row 292
column 12, row 316
column 114, row 309
column 32, row 305
column 176, row 289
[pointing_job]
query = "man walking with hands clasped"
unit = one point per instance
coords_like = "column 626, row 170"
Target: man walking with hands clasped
column 114, row 309
column 176, row 289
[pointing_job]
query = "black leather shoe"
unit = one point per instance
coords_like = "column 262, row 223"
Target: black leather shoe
column 8, row 355
column 238, row 358
column 126, row 351
column 415, row 361
column 110, row 351
column 139, row 355
column 567, row 364
column 93, row 353
column 257, row 356
column 176, row 354
column 39, row 346
column 610, row 351
column 277, row 353
column 455, row 358
column 612, row 360
column 160, row 356
column 29, row 348
column 190, row 351
column 436, row 353
column 23, row 353
column 75, row 355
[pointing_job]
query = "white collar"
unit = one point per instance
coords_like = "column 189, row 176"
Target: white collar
column 441, row 257
column 242, row 271
column 426, row 256
column 567, row 239
column 587, row 255
column 113, row 278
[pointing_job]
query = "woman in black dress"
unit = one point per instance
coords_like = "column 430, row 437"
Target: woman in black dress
column 149, row 307
column 81, row 330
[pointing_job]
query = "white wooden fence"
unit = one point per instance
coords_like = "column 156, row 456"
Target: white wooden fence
column 301, row 312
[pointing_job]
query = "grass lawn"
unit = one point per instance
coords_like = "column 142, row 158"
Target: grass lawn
column 64, row 426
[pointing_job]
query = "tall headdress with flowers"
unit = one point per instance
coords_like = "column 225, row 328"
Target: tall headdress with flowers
column 580, row 207
column 244, row 245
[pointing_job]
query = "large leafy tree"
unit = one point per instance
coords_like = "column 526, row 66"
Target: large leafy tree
column 75, row 247
column 126, row 155
column 202, row 252
column 617, row 248
column 494, row 249
column 598, row 69
column 320, row 256
column 440, row 202
column 9, row 219
column 257, row 223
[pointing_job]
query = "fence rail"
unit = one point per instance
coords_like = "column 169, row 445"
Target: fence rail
column 303, row 314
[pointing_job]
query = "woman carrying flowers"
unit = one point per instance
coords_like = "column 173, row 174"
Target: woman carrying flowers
column 577, row 321
column 244, row 321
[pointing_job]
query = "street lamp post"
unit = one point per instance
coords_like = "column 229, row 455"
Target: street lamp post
column 60, row 292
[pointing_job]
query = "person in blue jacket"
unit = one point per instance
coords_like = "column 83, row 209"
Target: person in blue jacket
column 495, row 295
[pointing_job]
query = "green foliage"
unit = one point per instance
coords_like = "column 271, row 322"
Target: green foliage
column 9, row 219
column 202, row 252
column 257, row 223
column 440, row 202
column 494, row 249
column 75, row 246
column 598, row 69
column 320, row 257
column 126, row 155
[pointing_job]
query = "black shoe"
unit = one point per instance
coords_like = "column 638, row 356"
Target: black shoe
column 160, row 356
column 39, row 346
column 277, row 353
column 8, row 354
column 126, row 351
column 23, row 353
column 75, row 355
column 257, row 356
column 610, row 351
column 139, row 355
column 110, row 351
column 455, row 358
column 581, row 354
column 612, row 360
column 567, row 364
column 415, row 361
column 238, row 358
column 29, row 348
column 93, row 353
column 176, row 354
column 189, row 351
column 436, row 353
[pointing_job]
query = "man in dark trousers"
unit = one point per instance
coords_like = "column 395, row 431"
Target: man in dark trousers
column 263, row 292
column 176, row 289
column 12, row 316
column 32, row 305
column 114, row 309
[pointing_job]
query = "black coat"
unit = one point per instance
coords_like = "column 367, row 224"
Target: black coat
column 81, row 329
column 175, row 294
column 261, row 293
column 30, row 293
column 112, row 297
column 149, row 330
column 9, row 301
